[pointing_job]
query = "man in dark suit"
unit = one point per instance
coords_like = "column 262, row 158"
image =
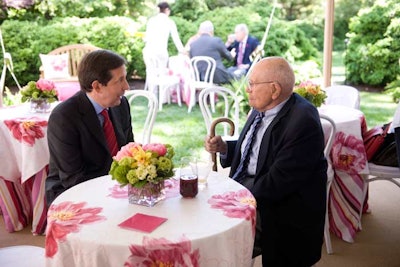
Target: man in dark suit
column 79, row 147
column 242, row 45
column 208, row 45
column 285, row 169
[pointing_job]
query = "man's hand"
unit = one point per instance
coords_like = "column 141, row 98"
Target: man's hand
column 215, row 144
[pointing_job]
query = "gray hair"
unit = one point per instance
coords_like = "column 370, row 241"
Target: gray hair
column 206, row 27
column 242, row 27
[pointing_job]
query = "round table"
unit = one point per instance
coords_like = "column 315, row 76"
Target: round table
column 349, row 163
column 216, row 228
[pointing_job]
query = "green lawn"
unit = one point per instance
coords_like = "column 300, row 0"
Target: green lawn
column 186, row 131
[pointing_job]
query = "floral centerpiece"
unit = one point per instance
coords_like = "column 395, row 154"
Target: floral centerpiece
column 40, row 94
column 312, row 92
column 143, row 169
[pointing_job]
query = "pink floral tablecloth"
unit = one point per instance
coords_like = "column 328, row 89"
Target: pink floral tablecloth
column 216, row 228
column 349, row 163
column 23, row 168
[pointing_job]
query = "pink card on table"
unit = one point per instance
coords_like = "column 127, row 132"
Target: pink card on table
column 142, row 222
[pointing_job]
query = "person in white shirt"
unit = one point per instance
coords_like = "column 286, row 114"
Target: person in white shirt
column 158, row 30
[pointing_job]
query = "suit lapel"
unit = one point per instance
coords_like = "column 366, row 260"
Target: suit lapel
column 265, row 142
column 89, row 117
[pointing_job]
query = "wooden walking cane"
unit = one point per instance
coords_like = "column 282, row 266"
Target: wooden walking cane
column 212, row 134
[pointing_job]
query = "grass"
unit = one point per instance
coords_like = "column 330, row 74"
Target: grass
column 186, row 131
column 174, row 125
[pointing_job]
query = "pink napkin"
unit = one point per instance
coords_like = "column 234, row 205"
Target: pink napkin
column 142, row 222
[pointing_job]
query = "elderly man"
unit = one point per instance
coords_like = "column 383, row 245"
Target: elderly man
column 242, row 45
column 279, row 158
column 208, row 45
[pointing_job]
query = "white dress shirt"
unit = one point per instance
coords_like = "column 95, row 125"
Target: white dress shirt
column 269, row 116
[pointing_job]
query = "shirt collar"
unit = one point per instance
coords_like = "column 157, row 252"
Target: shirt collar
column 275, row 110
column 96, row 106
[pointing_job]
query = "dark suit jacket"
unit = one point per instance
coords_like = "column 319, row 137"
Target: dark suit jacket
column 77, row 145
column 290, row 184
column 210, row 46
column 251, row 45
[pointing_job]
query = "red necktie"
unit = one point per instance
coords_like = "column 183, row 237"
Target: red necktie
column 240, row 54
column 109, row 133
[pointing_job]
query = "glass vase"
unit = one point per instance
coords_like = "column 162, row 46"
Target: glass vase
column 40, row 105
column 148, row 195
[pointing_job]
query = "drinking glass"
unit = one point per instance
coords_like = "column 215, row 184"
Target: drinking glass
column 188, row 177
column 203, row 170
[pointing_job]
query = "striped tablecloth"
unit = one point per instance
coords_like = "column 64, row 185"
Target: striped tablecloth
column 349, row 162
column 24, row 157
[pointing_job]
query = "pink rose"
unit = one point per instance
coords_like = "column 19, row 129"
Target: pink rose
column 45, row 85
column 158, row 148
column 127, row 151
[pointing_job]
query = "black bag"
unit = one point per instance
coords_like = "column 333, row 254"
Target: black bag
column 386, row 155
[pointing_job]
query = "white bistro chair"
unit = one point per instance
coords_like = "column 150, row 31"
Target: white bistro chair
column 230, row 107
column 158, row 78
column 203, row 70
column 342, row 95
column 384, row 173
column 151, row 113
column 329, row 128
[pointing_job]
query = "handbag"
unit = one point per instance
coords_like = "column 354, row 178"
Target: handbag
column 387, row 155
column 374, row 138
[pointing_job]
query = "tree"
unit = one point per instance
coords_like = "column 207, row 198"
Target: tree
column 374, row 45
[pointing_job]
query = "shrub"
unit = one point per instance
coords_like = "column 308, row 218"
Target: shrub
column 374, row 45
column 25, row 40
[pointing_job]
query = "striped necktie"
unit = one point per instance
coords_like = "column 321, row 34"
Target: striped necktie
column 109, row 133
column 244, row 160
column 240, row 54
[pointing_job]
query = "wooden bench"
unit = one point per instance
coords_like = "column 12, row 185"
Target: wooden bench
column 75, row 53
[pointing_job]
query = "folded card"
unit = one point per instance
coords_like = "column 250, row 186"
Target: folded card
column 142, row 222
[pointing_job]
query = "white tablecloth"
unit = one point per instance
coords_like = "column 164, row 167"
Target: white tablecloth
column 216, row 228
column 349, row 162
column 24, row 157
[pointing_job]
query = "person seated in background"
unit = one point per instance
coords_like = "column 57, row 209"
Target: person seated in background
column 242, row 45
column 85, row 131
column 279, row 157
column 209, row 45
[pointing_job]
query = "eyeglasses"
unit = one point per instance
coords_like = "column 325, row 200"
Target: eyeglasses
column 252, row 84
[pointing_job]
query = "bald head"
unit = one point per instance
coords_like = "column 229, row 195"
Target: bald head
column 270, row 83
column 279, row 70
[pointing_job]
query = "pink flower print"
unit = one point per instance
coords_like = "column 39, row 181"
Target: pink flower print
column 162, row 252
column 26, row 130
column 118, row 192
column 65, row 218
column 45, row 85
column 348, row 153
column 59, row 64
column 240, row 204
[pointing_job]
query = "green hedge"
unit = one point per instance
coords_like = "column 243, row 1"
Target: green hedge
column 25, row 40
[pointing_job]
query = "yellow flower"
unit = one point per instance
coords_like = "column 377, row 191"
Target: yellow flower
column 142, row 157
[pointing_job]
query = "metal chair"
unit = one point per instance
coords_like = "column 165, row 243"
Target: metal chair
column 203, row 70
column 380, row 172
column 158, row 78
column 342, row 95
column 230, row 107
column 151, row 114
column 329, row 128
